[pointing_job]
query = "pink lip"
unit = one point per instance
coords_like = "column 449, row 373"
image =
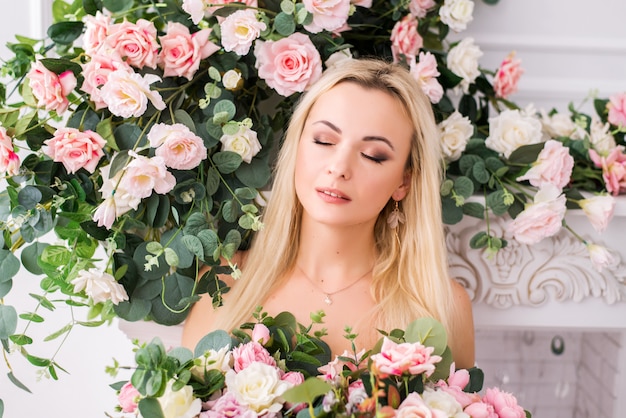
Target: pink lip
column 336, row 196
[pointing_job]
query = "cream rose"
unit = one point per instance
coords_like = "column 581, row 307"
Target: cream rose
column 511, row 129
column 244, row 143
column 457, row 13
column 258, row 386
column 181, row 403
column 212, row 360
column 455, row 130
column 463, row 61
column 559, row 125
column 239, row 30
column 440, row 400
column 99, row 286
column 600, row 136
column 126, row 93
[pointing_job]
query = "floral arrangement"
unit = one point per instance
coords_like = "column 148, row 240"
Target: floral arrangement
column 276, row 368
column 140, row 136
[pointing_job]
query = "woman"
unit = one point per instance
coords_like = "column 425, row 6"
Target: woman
column 353, row 226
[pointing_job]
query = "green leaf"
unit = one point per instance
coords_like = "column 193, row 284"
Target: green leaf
column 495, row 201
column 176, row 288
column 256, row 174
column 184, row 118
column 213, row 341
column 127, row 137
column 429, row 332
column 307, row 391
column 480, row 173
column 245, row 193
column 227, row 161
column 8, row 321
column 56, row 255
column 60, row 65
column 212, row 180
column 150, row 407
column 225, row 107
column 526, row 154
column 463, row 186
column 284, row 24
column 5, row 287
column 17, row 383
column 194, row 245
column 21, row 339
column 92, row 6
column 229, row 211
column 451, row 213
column 475, row 209
column 31, row 316
column 38, row 361
column 210, row 242
column 67, row 328
column 29, row 197
column 105, row 130
column 118, row 6
column 134, row 310
column 9, row 265
column 479, row 240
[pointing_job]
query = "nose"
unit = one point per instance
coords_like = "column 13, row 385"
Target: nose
column 340, row 165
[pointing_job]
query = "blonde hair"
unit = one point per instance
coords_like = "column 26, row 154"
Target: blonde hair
column 410, row 278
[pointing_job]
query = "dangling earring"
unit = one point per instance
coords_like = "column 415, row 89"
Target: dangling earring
column 394, row 219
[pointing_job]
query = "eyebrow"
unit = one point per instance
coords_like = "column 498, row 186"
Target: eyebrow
column 366, row 138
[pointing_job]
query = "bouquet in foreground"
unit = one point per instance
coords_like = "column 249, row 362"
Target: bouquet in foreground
column 275, row 367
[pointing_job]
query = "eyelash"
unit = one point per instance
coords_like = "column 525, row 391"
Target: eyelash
column 377, row 160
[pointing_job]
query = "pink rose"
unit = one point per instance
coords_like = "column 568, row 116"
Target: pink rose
column 600, row 256
column 117, row 199
column 413, row 406
column 541, row 219
column 507, row 77
column 96, row 31
column 455, row 384
column 198, row 9
column 419, row 8
column 144, row 175
column 426, row 73
column 182, row 52
column 51, row 90
column 480, row 410
column 239, row 30
column 288, row 65
column 613, row 169
column 554, row 165
column 362, row 3
column 136, row 43
column 328, row 15
column 180, row 148
column 261, row 334
column 75, row 149
column 127, row 93
column 227, row 406
column 128, row 397
column 599, row 210
column 405, row 40
column 504, row 404
column 96, row 73
column 9, row 160
column 295, row 378
column 404, row 358
column 246, row 354
column 617, row 109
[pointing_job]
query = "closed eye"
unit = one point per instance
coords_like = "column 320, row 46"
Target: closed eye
column 320, row 142
column 377, row 160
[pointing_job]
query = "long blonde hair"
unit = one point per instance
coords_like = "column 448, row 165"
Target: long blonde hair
column 410, row 279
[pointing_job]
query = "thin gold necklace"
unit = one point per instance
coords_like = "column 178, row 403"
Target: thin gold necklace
column 327, row 295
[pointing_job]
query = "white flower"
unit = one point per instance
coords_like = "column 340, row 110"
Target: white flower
column 463, row 61
column 560, row 124
column 180, row 403
column 457, row 13
column 126, row 93
column 511, row 129
column 258, row 386
column 212, row 360
column 116, row 198
column 232, row 80
column 444, row 402
column 337, row 58
column 600, row 256
column 195, row 8
column 239, row 30
column 244, row 143
column 599, row 210
column 600, row 137
column 455, row 130
column 99, row 286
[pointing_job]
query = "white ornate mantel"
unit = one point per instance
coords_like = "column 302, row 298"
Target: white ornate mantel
column 555, row 275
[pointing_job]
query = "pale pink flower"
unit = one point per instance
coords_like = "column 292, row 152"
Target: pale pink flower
column 127, row 93
column 599, row 209
column 426, row 73
column 227, row 406
column 128, row 398
column 261, row 334
column 96, row 73
column 613, row 169
column 328, row 15
column 289, row 65
column 239, row 30
column 252, row 352
column 600, row 136
column 480, row 410
column 455, row 384
column 106, row 213
column 504, row 403
column 136, row 43
column 541, row 219
column 362, row 3
column 99, row 286
column 96, row 31
column 75, row 149
column 117, row 200
column 51, row 90
column 419, row 8
column 413, row 406
column 560, row 124
column 507, row 77
column 554, row 165
column 617, row 109
column 337, row 58
column 404, row 358
column 295, row 378
column 331, row 371
column 181, row 51
column 405, row 39
column 245, row 143
column 144, row 175
column 182, row 151
column 600, row 256
column 9, row 160
column 196, row 9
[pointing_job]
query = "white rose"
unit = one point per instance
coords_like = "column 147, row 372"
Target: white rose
column 511, row 129
column 99, row 286
column 600, row 137
column 456, row 130
column 337, row 58
column 258, row 386
column 463, row 61
column 457, row 13
column 244, row 143
column 212, row 360
column 560, row 124
column 232, row 80
column 180, row 403
column 444, row 402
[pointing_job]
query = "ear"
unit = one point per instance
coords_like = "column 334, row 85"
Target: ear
column 403, row 189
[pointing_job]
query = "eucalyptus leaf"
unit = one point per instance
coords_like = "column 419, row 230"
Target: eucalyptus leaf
column 8, row 321
column 227, row 161
column 307, row 391
column 150, row 407
column 9, row 265
column 429, row 332
column 215, row 341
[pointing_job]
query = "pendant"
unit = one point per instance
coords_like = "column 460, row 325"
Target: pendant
column 328, row 300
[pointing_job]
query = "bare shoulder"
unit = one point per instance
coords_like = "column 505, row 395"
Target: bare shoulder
column 462, row 338
column 201, row 317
